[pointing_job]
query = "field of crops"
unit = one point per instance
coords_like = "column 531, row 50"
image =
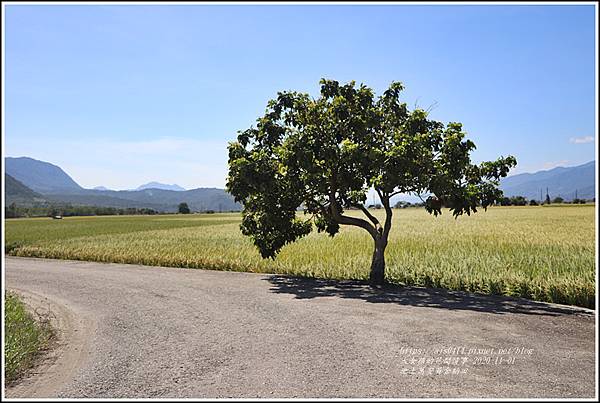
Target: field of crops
column 544, row 253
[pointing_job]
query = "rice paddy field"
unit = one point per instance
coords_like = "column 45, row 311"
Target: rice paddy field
column 544, row 253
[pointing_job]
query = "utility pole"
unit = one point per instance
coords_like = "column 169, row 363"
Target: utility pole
column 541, row 200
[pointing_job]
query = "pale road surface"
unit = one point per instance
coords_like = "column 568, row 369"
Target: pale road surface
column 136, row 331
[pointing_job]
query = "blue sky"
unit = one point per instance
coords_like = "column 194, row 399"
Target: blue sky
column 123, row 95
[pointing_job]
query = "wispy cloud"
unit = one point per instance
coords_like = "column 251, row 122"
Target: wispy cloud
column 581, row 140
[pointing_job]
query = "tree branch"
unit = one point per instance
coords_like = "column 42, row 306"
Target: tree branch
column 419, row 196
column 346, row 220
column 410, row 190
column 385, row 201
column 370, row 216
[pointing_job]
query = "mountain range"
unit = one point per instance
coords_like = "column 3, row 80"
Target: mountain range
column 16, row 192
column 39, row 176
column 29, row 181
column 156, row 185
column 149, row 185
column 566, row 182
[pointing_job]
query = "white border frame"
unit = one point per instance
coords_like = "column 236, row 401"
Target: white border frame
column 304, row 3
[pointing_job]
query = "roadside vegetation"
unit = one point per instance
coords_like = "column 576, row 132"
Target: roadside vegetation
column 25, row 337
column 543, row 253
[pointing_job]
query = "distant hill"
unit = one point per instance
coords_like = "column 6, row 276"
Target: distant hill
column 56, row 186
column 102, row 200
column 156, row 185
column 197, row 199
column 16, row 192
column 40, row 176
column 167, row 200
column 560, row 181
column 100, row 188
column 200, row 199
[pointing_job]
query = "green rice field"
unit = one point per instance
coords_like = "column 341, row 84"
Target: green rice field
column 544, row 253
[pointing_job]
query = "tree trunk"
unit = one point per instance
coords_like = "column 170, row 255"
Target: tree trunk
column 377, row 276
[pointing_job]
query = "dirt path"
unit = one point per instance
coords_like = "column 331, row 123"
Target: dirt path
column 70, row 347
column 137, row 331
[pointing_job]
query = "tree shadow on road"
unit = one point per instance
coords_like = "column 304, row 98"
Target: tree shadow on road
column 305, row 288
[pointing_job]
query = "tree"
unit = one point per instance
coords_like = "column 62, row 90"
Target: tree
column 518, row 201
column 402, row 204
column 558, row 200
column 533, row 202
column 325, row 154
column 547, row 199
column 11, row 211
column 183, row 208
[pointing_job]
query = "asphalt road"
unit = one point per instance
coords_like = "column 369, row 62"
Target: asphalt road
column 136, row 331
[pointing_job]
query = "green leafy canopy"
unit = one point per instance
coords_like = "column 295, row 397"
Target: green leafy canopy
column 324, row 154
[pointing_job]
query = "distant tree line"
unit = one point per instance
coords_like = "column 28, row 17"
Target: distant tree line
column 405, row 204
column 505, row 201
column 15, row 211
column 522, row 201
column 68, row 210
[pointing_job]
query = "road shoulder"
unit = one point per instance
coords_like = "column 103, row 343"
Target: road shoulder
column 55, row 367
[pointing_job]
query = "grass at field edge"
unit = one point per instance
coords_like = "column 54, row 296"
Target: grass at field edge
column 26, row 337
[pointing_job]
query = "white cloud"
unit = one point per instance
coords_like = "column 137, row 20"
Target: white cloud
column 581, row 140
